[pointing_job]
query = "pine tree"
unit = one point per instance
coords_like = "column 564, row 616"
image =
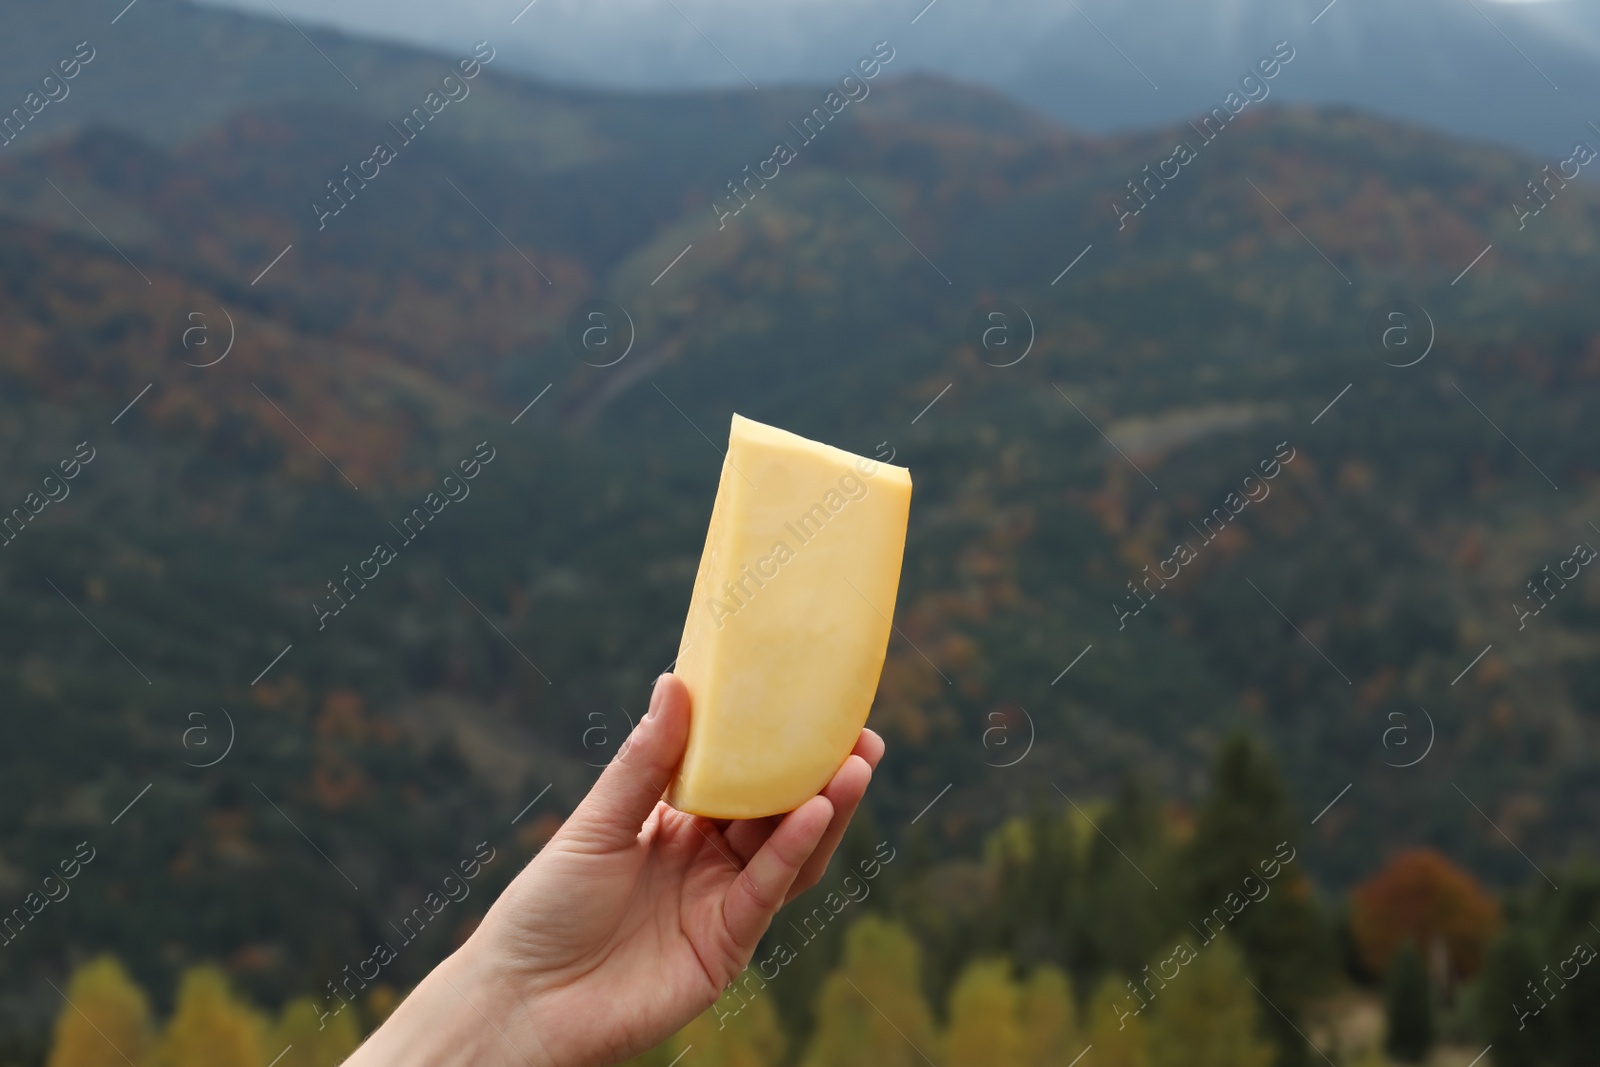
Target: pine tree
column 106, row 1023
column 1246, row 830
column 749, row 1038
column 1050, row 1035
column 305, row 1039
column 1037, row 866
column 1408, row 1007
column 872, row 1010
column 985, row 1017
column 210, row 1027
column 1116, row 1030
column 1206, row 1016
column 1129, row 856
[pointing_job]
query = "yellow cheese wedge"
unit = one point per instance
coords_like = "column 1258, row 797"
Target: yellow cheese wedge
column 789, row 621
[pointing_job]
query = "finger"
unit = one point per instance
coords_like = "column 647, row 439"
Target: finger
column 844, row 793
column 759, row 890
column 746, row 836
column 869, row 746
column 611, row 815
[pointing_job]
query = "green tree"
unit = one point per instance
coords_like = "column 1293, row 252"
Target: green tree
column 210, row 1027
column 1050, row 1035
column 1037, row 864
column 1129, row 857
column 872, row 1009
column 1116, row 1030
column 1408, row 1007
column 1206, row 1016
column 305, row 1039
column 750, row 1037
column 985, row 1017
column 1246, row 830
column 106, row 1023
column 1538, row 993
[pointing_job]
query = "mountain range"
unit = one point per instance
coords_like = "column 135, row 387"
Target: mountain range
column 268, row 391
column 1519, row 73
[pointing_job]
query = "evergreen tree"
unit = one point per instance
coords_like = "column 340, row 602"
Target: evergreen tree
column 1245, row 830
column 1037, row 864
column 1050, row 1035
column 307, row 1040
column 749, row 1038
column 1130, row 856
column 872, row 1009
column 210, row 1027
column 1408, row 1007
column 1116, row 1029
column 106, row 1023
column 985, row 1018
column 1206, row 1016
column 1536, row 998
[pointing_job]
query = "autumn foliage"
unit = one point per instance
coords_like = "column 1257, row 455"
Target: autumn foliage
column 1423, row 898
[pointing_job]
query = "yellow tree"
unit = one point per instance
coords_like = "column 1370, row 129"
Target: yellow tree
column 305, row 1039
column 985, row 1023
column 210, row 1027
column 871, row 1011
column 1207, row 1015
column 752, row 1037
column 1049, row 1020
column 106, row 1022
column 1117, row 1027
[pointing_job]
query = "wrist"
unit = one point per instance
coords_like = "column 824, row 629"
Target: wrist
column 463, row 1014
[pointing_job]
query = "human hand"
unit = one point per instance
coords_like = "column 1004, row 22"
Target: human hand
column 628, row 924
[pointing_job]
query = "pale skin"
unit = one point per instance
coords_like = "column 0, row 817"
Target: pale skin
column 627, row 924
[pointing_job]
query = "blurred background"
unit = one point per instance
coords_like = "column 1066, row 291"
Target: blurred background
column 363, row 374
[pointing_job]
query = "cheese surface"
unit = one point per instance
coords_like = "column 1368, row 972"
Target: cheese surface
column 789, row 620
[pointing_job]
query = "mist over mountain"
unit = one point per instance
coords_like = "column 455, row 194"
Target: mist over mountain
column 1521, row 73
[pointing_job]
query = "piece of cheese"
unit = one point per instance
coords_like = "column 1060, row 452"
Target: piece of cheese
column 789, row 621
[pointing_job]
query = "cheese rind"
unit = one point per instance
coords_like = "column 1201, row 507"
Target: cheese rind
column 789, row 620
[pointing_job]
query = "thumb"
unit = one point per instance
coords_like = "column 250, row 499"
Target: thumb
column 611, row 816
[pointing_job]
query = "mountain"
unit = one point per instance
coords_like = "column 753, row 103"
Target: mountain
column 1518, row 73
column 202, row 571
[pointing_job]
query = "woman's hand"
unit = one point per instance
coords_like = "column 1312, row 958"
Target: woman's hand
column 628, row 924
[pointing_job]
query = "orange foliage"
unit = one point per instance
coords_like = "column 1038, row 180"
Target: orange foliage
column 1421, row 897
column 342, row 716
column 336, row 782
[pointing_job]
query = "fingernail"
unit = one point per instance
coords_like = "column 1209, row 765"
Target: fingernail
column 657, row 695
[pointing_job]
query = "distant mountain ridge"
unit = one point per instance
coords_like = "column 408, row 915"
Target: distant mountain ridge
column 1486, row 69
